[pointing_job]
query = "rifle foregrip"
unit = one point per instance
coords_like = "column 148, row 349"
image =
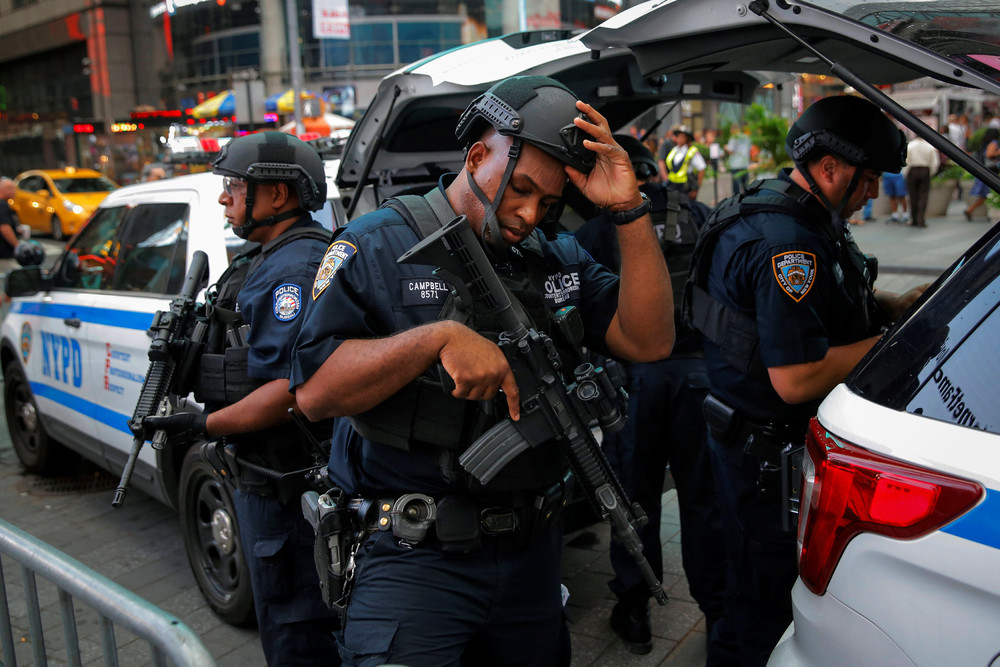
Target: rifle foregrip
column 493, row 450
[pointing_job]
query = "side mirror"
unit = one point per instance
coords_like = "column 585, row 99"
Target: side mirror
column 24, row 282
column 43, row 193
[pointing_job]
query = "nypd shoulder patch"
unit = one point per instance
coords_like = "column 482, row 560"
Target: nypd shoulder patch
column 795, row 272
column 338, row 253
column 287, row 301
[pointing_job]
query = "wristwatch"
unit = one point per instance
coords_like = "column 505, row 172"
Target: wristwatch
column 633, row 214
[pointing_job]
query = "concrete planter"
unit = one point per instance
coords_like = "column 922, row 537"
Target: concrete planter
column 939, row 198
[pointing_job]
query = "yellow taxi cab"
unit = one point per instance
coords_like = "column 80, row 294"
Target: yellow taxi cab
column 59, row 201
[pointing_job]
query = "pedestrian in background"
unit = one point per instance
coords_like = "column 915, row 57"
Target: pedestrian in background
column 684, row 163
column 666, row 145
column 922, row 162
column 738, row 147
column 989, row 155
column 8, row 229
column 894, row 186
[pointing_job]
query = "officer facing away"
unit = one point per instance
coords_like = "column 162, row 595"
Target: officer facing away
column 482, row 585
column 272, row 181
column 784, row 299
column 665, row 425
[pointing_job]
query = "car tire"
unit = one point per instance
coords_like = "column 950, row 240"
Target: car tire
column 55, row 224
column 212, row 541
column 35, row 449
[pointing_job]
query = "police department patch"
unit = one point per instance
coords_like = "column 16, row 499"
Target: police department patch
column 287, row 301
column 795, row 272
column 338, row 253
column 25, row 341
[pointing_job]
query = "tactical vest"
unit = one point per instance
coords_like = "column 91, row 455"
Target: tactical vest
column 733, row 332
column 423, row 415
column 224, row 378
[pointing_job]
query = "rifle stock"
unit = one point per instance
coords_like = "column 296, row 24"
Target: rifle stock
column 168, row 328
column 552, row 408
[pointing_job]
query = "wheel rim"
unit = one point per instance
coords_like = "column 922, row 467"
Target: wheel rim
column 22, row 415
column 214, row 526
column 57, row 230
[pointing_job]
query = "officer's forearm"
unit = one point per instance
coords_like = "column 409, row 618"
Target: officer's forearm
column 643, row 326
column 266, row 406
column 362, row 373
column 798, row 383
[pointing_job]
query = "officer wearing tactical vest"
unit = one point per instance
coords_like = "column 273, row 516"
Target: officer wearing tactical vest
column 784, row 299
column 481, row 582
column 664, row 425
column 271, row 182
column 684, row 163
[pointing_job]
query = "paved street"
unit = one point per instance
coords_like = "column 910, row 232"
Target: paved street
column 140, row 545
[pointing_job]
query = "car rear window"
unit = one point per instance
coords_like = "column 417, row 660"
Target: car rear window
column 942, row 361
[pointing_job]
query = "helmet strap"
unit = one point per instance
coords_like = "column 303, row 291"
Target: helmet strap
column 250, row 224
column 490, row 208
column 836, row 212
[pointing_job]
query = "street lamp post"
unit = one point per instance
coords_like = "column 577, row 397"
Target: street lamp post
column 295, row 60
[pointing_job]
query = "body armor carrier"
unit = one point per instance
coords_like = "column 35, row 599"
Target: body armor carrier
column 736, row 333
column 424, row 414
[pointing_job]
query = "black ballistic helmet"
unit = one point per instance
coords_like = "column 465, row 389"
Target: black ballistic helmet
column 274, row 157
column 642, row 159
column 536, row 109
column 853, row 129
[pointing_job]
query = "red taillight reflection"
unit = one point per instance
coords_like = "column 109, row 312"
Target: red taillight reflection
column 849, row 490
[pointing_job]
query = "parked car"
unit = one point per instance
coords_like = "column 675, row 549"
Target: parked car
column 898, row 530
column 73, row 348
column 58, row 201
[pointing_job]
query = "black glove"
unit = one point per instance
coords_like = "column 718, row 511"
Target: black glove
column 181, row 425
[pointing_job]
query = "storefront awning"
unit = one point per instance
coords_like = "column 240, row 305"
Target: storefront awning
column 223, row 104
column 285, row 102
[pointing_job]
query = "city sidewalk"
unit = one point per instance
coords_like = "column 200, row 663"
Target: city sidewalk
column 140, row 545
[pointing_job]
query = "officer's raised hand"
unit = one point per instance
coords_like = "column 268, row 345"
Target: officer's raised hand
column 180, row 426
column 611, row 183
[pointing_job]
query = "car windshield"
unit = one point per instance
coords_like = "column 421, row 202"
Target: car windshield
column 967, row 32
column 80, row 185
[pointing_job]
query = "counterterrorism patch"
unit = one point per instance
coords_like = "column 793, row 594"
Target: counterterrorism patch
column 287, row 301
column 795, row 272
column 562, row 287
column 338, row 253
column 423, row 291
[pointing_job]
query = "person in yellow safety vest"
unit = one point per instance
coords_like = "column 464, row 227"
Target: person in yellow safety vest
column 685, row 164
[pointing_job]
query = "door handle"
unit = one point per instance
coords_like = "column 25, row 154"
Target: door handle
column 72, row 322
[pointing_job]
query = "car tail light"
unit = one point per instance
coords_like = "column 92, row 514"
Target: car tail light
column 848, row 490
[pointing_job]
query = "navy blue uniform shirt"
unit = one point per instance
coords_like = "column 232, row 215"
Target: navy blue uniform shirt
column 274, row 301
column 361, row 292
column 782, row 272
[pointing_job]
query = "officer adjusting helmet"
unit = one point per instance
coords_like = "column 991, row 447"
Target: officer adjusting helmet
column 534, row 109
column 643, row 162
column 29, row 253
column 273, row 157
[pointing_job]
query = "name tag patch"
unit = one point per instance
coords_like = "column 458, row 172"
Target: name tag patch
column 795, row 272
column 562, row 287
column 338, row 253
column 423, row 291
column 287, row 301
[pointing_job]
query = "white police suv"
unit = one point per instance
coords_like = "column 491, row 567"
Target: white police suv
column 74, row 344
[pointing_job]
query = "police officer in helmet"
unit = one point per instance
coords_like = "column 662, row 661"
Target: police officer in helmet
column 482, row 585
column 664, row 425
column 271, row 182
column 784, row 299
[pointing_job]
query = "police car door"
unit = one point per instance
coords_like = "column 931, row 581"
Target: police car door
column 150, row 265
column 54, row 329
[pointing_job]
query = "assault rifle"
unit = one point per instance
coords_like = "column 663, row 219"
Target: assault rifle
column 554, row 406
column 166, row 352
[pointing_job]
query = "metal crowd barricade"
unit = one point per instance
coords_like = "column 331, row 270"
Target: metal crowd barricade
column 167, row 636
